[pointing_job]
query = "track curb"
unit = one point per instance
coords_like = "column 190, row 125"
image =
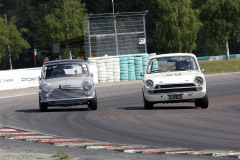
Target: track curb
column 21, row 134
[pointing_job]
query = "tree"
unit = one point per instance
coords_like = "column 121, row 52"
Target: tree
column 3, row 38
column 221, row 19
column 178, row 25
column 12, row 42
column 64, row 20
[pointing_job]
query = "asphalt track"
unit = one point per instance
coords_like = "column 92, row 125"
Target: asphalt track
column 120, row 117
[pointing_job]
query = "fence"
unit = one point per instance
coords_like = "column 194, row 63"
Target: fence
column 115, row 34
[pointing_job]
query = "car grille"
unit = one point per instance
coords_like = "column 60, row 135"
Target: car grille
column 66, row 93
column 168, row 88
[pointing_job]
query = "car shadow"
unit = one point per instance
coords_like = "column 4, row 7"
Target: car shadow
column 158, row 108
column 53, row 110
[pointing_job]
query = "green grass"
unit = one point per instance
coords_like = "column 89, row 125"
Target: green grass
column 221, row 66
column 61, row 155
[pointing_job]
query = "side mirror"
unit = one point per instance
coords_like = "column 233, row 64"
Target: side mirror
column 203, row 70
column 39, row 78
column 92, row 75
column 141, row 74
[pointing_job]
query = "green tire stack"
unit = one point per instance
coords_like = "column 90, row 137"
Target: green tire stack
column 138, row 67
column 155, row 65
column 145, row 61
column 123, row 68
column 131, row 68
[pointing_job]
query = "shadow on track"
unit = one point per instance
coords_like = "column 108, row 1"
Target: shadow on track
column 159, row 108
column 53, row 110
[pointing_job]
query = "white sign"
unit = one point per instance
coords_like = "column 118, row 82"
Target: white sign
column 142, row 40
column 19, row 78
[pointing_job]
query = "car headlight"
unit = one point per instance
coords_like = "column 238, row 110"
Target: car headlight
column 199, row 80
column 149, row 84
column 87, row 86
column 46, row 87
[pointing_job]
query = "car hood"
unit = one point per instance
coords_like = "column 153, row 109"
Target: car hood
column 174, row 77
column 67, row 82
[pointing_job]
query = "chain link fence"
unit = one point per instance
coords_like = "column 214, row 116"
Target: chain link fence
column 115, row 34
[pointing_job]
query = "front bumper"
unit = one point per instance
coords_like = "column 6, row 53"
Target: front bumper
column 63, row 102
column 66, row 96
column 164, row 97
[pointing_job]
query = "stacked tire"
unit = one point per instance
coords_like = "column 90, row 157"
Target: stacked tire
column 116, row 69
column 145, row 61
column 131, row 68
column 155, row 65
column 93, row 68
column 102, row 72
column 138, row 67
column 123, row 68
column 109, row 69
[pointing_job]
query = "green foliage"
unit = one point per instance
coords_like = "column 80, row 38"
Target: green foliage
column 64, row 19
column 198, row 26
column 178, row 25
column 11, row 37
column 221, row 18
column 3, row 37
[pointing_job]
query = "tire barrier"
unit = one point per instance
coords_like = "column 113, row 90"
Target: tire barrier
column 93, row 69
column 120, row 68
column 145, row 61
column 131, row 68
column 109, row 69
column 116, row 69
column 102, row 71
column 138, row 61
column 155, row 65
column 123, row 68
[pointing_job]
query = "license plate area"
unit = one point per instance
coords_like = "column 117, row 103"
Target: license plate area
column 175, row 96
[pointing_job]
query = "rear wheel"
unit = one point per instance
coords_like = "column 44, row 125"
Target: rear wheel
column 147, row 105
column 203, row 102
column 93, row 103
column 42, row 106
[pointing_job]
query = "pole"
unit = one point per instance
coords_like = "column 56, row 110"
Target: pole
column 144, row 30
column 34, row 54
column 69, row 55
column 113, row 6
column 89, row 37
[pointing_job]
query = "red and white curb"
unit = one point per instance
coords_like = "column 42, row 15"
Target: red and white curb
column 12, row 133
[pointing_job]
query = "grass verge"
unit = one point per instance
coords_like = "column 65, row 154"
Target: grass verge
column 61, row 155
column 221, row 66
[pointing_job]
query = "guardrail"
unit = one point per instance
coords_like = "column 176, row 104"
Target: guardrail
column 214, row 58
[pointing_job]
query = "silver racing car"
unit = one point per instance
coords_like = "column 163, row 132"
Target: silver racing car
column 66, row 83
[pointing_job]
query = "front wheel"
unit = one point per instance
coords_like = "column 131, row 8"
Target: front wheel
column 147, row 105
column 42, row 106
column 203, row 102
column 93, row 103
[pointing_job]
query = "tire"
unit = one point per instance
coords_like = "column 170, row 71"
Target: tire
column 93, row 103
column 43, row 106
column 147, row 105
column 203, row 102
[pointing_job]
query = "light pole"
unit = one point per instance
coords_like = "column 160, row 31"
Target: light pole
column 113, row 5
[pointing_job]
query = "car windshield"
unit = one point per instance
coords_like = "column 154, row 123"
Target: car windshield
column 65, row 70
column 173, row 63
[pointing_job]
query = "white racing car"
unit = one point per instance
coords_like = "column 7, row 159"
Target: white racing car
column 66, row 83
column 173, row 78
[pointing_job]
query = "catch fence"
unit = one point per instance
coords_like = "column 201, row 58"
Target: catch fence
column 115, row 34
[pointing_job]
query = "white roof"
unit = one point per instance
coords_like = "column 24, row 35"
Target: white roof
column 172, row 55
